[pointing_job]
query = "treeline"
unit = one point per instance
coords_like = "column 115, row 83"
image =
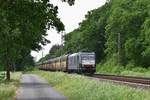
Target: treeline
column 55, row 51
column 120, row 29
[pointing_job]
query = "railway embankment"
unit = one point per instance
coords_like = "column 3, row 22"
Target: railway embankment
column 77, row 87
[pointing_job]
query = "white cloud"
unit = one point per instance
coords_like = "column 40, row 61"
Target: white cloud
column 70, row 16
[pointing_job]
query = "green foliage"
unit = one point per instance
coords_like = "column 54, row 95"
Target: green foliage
column 24, row 62
column 2, row 76
column 55, row 51
column 1, row 66
column 23, row 26
column 89, row 36
column 29, row 68
column 135, row 73
column 70, row 2
column 127, row 18
column 77, row 87
column 110, row 67
column 120, row 28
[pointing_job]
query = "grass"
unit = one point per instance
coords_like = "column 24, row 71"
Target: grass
column 2, row 76
column 110, row 67
column 8, row 88
column 77, row 87
column 120, row 70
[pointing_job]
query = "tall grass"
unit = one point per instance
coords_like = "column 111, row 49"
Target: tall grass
column 110, row 67
column 120, row 70
column 77, row 87
column 8, row 88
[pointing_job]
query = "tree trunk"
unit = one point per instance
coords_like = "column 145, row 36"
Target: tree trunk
column 8, row 68
column 120, row 50
column 8, row 74
column 7, row 65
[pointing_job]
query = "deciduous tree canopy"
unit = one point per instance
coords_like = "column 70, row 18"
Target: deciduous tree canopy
column 120, row 27
column 23, row 26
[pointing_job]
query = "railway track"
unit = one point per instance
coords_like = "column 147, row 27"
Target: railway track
column 139, row 82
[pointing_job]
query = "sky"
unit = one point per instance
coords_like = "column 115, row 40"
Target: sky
column 71, row 16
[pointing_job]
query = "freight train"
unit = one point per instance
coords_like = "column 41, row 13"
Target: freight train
column 81, row 62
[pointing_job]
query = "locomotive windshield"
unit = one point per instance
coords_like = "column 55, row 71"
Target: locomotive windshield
column 88, row 59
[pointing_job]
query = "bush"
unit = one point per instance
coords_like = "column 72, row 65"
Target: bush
column 139, row 69
column 129, row 66
column 30, row 68
column 110, row 67
column 119, row 70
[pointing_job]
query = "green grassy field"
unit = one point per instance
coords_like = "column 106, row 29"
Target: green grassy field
column 8, row 89
column 77, row 87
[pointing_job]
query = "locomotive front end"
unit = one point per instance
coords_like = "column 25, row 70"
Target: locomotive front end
column 88, row 63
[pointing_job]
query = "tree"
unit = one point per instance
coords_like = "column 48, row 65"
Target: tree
column 71, row 2
column 90, row 36
column 127, row 19
column 53, row 49
column 25, row 62
column 120, row 27
column 23, row 25
column 52, row 53
column 146, row 42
